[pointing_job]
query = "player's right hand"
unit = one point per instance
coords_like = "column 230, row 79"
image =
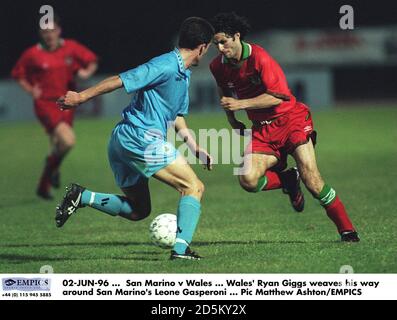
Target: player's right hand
column 70, row 100
column 36, row 92
column 205, row 158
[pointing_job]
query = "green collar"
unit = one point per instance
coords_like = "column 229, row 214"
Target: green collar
column 45, row 48
column 245, row 54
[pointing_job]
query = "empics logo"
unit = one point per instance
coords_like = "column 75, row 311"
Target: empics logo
column 9, row 282
column 26, row 284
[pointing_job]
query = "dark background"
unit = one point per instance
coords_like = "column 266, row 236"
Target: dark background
column 127, row 33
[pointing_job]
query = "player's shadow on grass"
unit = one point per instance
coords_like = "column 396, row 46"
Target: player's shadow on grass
column 19, row 203
column 80, row 244
column 17, row 258
column 149, row 244
column 254, row 242
column 131, row 255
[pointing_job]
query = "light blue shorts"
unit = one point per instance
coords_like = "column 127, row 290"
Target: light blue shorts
column 135, row 154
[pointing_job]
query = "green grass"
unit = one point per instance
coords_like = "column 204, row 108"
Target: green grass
column 238, row 232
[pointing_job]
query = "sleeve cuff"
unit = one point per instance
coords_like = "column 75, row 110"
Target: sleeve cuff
column 123, row 76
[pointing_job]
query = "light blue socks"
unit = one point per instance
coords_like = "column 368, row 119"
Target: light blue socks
column 187, row 218
column 108, row 203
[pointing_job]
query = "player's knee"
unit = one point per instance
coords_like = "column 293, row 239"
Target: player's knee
column 69, row 142
column 201, row 188
column 194, row 187
column 66, row 143
column 198, row 187
column 65, row 138
column 248, row 183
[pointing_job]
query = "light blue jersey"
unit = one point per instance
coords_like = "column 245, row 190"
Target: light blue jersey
column 137, row 147
column 161, row 87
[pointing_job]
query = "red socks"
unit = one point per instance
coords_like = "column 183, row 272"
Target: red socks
column 273, row 180
column 337, row 213
column 52, row 164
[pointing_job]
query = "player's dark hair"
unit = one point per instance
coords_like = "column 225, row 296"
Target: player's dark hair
column 230, row 23
column 195, row 31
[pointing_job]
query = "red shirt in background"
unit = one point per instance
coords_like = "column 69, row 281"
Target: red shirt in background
column 53, row 71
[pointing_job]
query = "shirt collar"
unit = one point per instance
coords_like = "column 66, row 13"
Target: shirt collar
column 245, row 53
column 181, row 64
column 41, row 46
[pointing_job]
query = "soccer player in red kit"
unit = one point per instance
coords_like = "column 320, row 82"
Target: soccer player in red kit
column 47, row 71
column 249, row 79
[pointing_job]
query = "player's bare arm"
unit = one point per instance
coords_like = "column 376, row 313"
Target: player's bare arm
column 262, row 101
column 87, row 72
column 33, row 90
column 73, row 99
column 234, row 123
column 183, row 131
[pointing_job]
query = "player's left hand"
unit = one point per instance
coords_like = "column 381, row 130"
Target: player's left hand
column 231, row 104
column 70, row 100
column 205, row 158
column 84, row 74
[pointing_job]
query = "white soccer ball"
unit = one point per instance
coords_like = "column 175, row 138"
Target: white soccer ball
column 163, row 229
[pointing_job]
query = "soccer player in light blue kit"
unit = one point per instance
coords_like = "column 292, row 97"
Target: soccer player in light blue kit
column 138, row 148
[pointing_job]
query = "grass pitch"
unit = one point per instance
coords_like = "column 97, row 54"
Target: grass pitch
column 238, row 232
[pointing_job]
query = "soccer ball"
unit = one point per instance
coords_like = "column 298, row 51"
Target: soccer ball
column 163, row 229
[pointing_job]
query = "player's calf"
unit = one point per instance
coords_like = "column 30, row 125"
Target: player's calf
column 141, row 212
column 114, row 205
column 55, row 179
column 337, row 213
column 44, row 186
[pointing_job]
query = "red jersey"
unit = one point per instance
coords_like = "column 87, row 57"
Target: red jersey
column 258, row 73
column 53, row 71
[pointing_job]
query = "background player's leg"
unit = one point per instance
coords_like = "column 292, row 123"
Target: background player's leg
column 181, row 176
column 62, row 139
column 306, row 161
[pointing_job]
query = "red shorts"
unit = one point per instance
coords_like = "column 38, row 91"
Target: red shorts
column 50, row 115
column 283, row 135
